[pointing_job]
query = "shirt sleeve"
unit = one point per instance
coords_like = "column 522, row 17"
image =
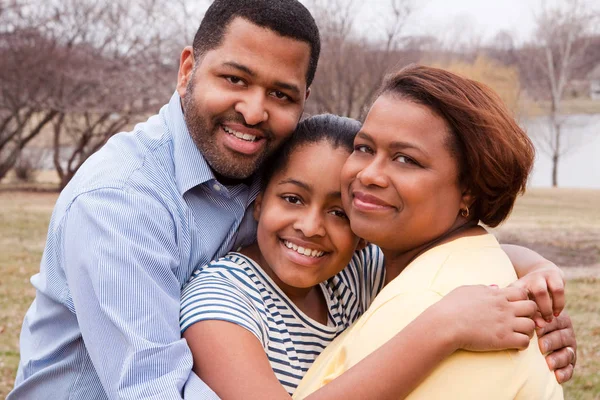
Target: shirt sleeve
column 212, row 296
column 119, row 253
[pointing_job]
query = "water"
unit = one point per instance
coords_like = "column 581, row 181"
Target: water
column 580, row 167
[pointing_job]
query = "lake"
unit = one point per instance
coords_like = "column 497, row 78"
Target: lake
column 580, row 167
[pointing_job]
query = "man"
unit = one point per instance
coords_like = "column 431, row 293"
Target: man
column 156, row 202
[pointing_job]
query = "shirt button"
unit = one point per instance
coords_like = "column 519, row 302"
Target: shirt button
column 217, row 187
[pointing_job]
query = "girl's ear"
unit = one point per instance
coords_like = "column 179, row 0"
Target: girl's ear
column 257, row 206
column 362, row 243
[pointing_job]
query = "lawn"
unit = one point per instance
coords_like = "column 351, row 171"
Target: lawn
column 563, row 225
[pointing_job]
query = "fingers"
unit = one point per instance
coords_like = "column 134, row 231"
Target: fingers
column 556, row 286
column 514, row 293
column 564, row 374
column 525, row 326
column 539, row 292
column 557, row 340
column 524, row 308
column 561, row 359
column 519, row 341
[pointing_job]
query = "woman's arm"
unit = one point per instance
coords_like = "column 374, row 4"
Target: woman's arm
column 545, row 283
column 541, row 278
column 232, row 361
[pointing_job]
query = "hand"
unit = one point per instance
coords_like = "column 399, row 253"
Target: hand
column 558, row 339
column 546, row 286
column 486, row 318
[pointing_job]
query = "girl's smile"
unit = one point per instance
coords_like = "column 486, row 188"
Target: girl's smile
column 303, row 233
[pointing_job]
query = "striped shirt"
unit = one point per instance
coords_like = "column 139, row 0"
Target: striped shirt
column 124, row 237
column 237, row 290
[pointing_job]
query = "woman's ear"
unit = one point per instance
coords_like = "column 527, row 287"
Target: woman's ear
column 466, row 200
column 257, row 206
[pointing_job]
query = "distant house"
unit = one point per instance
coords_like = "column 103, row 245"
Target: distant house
column 594, row 79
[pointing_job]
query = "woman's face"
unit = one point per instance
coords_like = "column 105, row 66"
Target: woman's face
column 303, row 232
column 400, row 185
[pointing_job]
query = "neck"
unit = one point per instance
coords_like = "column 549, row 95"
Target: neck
column 397, row 261
column 311, row 300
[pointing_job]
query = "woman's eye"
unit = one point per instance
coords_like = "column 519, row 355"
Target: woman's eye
column 292, row 199
column 406, row 160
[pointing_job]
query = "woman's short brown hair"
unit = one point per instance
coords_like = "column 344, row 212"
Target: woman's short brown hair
column 494, row 154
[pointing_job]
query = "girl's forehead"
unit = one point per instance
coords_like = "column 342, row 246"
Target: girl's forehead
column 315, row 164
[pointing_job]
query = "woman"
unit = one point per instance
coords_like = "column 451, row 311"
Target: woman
column 436, row 155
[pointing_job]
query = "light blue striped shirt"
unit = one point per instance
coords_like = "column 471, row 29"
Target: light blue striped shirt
column 124, row 237
column 236, row 289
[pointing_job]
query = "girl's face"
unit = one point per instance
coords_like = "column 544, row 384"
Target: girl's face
column 303, row 232
column 400, row 185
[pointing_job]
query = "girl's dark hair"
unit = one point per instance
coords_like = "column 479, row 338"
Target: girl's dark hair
column 335, row 130
column 493, row 153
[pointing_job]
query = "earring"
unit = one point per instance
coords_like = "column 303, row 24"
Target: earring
column 465, row 213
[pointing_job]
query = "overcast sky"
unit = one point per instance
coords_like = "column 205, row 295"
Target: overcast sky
column 443, row 17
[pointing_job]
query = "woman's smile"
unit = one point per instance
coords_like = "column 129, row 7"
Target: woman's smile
column 366, row 202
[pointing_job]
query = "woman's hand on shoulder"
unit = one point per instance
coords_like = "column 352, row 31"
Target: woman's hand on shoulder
column 487, row 318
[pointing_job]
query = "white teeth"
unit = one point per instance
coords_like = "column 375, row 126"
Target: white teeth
column 240, row 135
column 304, row 251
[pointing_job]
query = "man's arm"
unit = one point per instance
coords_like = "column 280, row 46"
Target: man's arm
column 120, row 254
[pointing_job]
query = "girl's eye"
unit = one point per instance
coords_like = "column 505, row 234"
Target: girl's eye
column 339, row 213
column 361, row 148
column 292, row 199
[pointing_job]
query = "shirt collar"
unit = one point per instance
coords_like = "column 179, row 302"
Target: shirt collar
column 191, row 168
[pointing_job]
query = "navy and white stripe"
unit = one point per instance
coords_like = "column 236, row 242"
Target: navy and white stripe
column 237, row 290
column 124, row 237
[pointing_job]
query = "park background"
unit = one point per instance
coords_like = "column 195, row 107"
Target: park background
column 75, row 72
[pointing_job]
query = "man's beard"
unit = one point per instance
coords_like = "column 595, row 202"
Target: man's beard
column 227, row 165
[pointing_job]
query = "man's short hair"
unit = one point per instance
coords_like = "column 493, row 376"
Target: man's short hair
column 288, row 18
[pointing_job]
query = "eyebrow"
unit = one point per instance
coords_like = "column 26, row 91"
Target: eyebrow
column 393, row 145
column 281, row 85
column 307, row 187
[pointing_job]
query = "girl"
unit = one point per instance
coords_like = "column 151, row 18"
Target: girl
column 256, row 320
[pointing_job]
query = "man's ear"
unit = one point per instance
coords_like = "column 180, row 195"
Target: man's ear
column 362, row 243
column 257, row 206
column 307, row 94
column 186, row 68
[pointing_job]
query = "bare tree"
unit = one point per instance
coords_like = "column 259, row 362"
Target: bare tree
column 562, row 38
column 85, row 68
column 27, row 62
column 351, row 67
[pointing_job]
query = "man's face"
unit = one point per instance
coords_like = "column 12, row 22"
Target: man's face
column 245, row 97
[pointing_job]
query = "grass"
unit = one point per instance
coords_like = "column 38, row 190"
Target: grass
column 564, row 225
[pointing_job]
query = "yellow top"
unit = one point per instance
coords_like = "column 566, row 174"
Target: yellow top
column 464, row 375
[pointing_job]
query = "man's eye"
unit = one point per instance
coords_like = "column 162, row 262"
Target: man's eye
column 280, row 95
column 234, row 79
